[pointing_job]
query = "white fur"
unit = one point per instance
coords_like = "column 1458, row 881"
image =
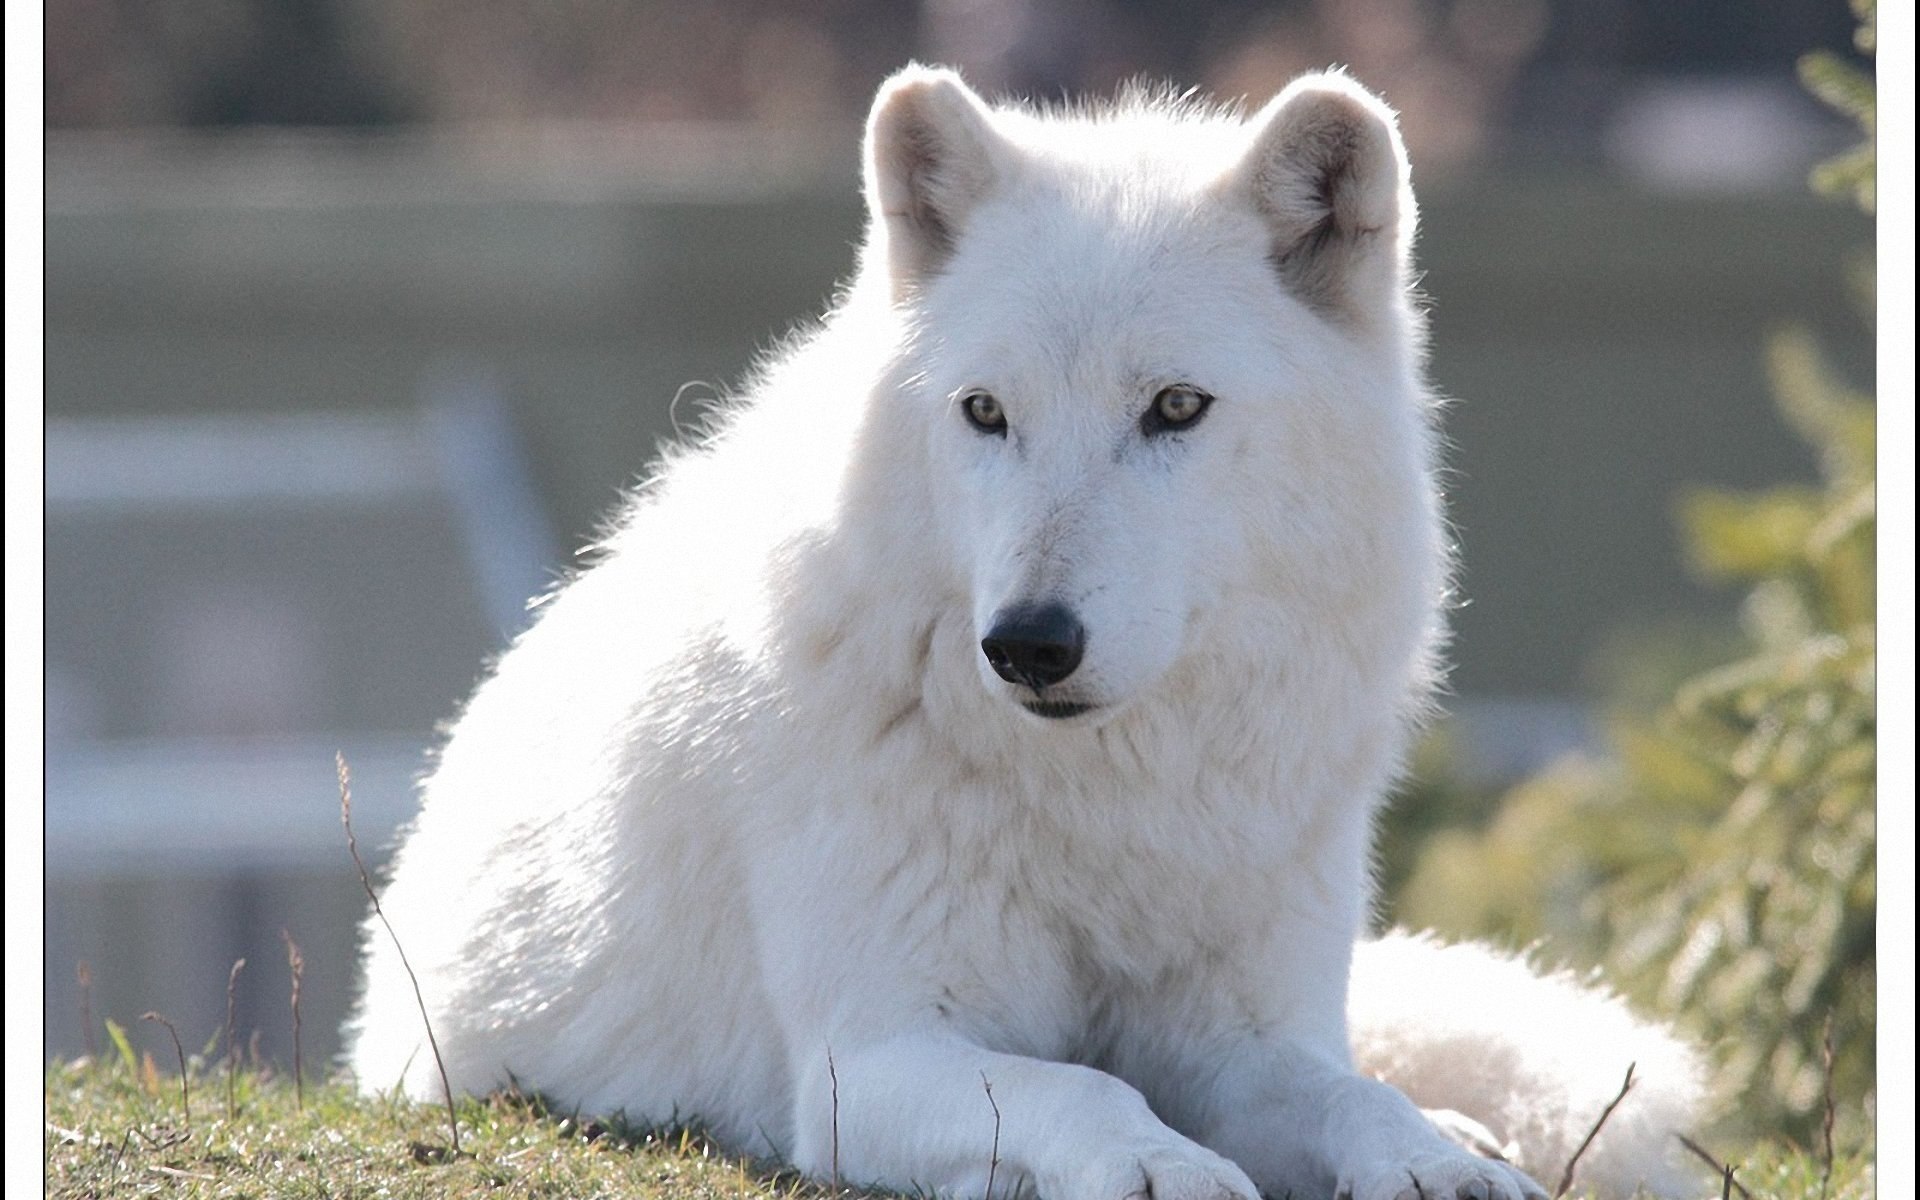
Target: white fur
column 744, row 829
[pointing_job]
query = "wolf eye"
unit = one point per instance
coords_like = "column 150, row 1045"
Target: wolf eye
column 1176, row 407
column 984, row 413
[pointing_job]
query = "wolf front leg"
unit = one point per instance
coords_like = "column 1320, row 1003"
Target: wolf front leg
column 936, row 1114
column 1303, row 1124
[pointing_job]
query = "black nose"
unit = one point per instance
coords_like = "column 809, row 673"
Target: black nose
column 1034, row 644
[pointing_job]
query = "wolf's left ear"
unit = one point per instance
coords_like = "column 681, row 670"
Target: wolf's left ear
column 932, row 154
column 1327, row 172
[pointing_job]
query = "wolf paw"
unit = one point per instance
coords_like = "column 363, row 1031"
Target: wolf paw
column 1174, row 1172
column 1453, row 1175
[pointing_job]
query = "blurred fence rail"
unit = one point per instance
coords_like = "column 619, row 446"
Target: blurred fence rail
column 552, row 163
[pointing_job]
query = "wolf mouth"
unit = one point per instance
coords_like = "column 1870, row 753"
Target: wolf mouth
column 1056, row 709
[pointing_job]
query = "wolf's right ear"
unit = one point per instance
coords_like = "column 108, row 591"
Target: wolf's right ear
column 932, row 154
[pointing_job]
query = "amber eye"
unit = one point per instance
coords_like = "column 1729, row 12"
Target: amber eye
column 983, row 412
column 1176, row 407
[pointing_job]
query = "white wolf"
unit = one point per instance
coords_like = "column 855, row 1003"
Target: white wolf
column 1001, row 698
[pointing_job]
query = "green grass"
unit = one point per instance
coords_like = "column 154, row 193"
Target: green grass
column 1779, row 1171
column 112, row 1131
column 115, row 1128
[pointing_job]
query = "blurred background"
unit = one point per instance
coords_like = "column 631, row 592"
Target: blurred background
column 360, row 314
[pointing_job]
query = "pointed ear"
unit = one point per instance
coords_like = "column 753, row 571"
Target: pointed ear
column 932, row 154
column 1328, row 174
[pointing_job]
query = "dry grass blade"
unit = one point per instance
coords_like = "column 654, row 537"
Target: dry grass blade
column 993, row 1156
column 1566, row 1177
column 177, row 1173
column 233, row 1051
column 833, row 1083
column 84, row 975
column 1717, row 1163
column 186, row 1110
column 1826, row 1122
column 297, row 966
column 167, row 1139
column 346, row 822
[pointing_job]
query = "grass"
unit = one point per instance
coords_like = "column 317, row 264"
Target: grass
column 1787, row 1174
column 115, row 1128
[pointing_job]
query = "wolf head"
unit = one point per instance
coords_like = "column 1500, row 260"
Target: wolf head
column 1166, row 371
